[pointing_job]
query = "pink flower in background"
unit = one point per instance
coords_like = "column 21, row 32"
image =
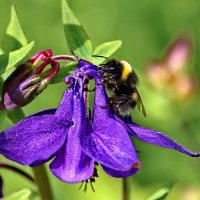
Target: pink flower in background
column 170, row 73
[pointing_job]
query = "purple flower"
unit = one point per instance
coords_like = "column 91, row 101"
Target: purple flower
column 78, row 140
column 74, row 140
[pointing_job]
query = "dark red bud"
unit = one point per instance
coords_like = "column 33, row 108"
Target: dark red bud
column 28, row 80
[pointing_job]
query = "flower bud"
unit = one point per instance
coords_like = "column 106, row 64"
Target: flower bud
column 28, row 80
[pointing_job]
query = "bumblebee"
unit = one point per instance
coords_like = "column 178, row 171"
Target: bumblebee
column 121, row 80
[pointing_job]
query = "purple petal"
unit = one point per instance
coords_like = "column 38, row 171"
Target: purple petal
column 120, row 174
column 107, row 142
column 34, row 139
column 71, row 163
column 157, row 138
column 101, row 102
column 65, row 108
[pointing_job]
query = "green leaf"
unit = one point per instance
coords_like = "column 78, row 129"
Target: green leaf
column 14, row 37
column 3, row 114
column 63, row 72
column 16, row 115
column 161, row 194
column 77, row 39
column 21, row 195
column 106, row 49
column 7, row 61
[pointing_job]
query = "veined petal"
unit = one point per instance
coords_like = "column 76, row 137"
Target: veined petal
column 37, row 138
column 157, row 138
column 101, row 102
column 34, row 139
column 65, row 108
column 106, row 141
column 110, row 147
column 71, row 163
column 119, row 174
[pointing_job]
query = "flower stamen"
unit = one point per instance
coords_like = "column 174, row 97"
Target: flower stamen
column 91, row 180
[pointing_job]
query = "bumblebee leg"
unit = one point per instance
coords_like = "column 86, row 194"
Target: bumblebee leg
column 107, row 106
column 109, row 78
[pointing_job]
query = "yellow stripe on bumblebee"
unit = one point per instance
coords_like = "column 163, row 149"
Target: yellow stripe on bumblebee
column 126, row 70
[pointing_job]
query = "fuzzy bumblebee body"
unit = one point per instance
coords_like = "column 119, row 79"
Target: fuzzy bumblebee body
column 122, row 80
column 119, row 74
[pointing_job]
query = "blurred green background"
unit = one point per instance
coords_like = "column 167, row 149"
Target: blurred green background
column 146, row 28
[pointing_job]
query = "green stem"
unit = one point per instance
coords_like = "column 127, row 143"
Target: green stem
column 40, row 173
column 125, row 189
column 42, row 181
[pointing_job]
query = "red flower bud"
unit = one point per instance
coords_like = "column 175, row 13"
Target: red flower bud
column 28, row 80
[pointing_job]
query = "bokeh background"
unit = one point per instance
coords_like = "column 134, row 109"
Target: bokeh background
column 146, row 29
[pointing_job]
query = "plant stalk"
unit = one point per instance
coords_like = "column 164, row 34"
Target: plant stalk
column 43, row 183
column 125, row 189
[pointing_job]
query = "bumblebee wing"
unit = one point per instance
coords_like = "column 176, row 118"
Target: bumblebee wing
column 140, row 104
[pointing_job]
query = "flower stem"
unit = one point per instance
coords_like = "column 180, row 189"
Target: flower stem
column 64, row 57
column 125, row 189
column 42, row 181
column 40, row 173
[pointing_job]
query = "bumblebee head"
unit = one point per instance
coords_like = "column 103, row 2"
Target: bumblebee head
column 112, row 66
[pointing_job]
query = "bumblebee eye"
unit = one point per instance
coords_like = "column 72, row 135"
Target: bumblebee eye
column 111, row 68
column 107, row 68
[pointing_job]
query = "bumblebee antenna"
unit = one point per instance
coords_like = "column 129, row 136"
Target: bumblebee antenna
column 100, row 56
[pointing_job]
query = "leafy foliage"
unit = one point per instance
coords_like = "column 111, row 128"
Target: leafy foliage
column 106, row 49
column 77, row 38
column 14, row 37
column 9, row 60
column 20, row 195
column 160, row 194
